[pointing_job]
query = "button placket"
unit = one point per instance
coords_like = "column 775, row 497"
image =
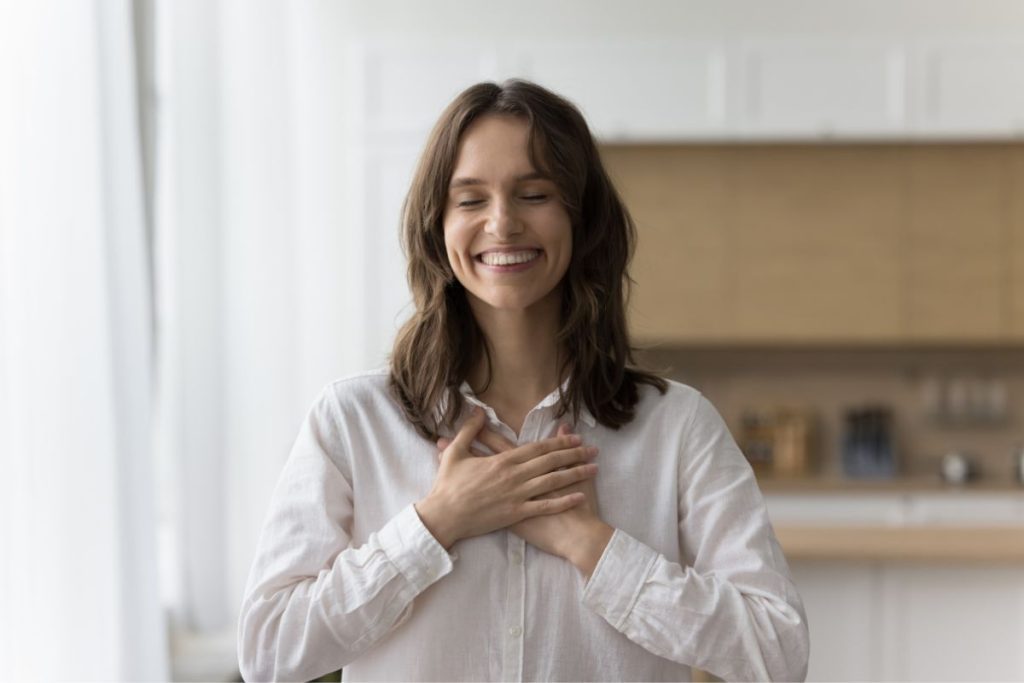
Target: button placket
column 515, row 626
column 515, row 610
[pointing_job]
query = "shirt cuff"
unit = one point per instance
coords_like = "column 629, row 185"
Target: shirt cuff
column 411, row 547
column 619, row 576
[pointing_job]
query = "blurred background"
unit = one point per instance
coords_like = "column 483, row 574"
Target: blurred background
column 198, row 230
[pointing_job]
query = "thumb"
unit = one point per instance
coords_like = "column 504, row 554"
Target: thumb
column 442, row 445
column 460, row 445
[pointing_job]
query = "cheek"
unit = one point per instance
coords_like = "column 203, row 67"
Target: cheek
column 455, row 245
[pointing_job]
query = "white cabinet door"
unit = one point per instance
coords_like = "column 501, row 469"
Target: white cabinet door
column 912, row 622
column 638, row 92
column 842, row 602
column 807, row 89
column 968, row 89
column 952, row 623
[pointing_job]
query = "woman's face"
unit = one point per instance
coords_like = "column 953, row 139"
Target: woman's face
column 506, row 231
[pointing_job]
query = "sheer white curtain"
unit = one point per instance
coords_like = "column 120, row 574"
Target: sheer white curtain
column 78, row 578
column 259, row 283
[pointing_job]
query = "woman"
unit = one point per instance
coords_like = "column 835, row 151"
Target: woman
column 447, row 520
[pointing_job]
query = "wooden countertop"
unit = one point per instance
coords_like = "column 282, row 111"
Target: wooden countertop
column 913, row 543
column 909, row 484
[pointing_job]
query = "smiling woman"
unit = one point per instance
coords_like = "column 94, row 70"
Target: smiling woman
column 445, row 519
column 507, row 233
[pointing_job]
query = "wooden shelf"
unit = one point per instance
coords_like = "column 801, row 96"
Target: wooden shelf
column 915, row 484
column 909, row 543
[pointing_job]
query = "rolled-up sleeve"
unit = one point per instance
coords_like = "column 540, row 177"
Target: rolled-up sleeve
column 731, row 608
column 312, row 602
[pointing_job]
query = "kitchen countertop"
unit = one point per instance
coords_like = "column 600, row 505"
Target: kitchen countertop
column 918, row 483
column 906, row 543
column 902, row 519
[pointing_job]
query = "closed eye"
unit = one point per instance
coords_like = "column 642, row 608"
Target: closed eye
column 469, row 202
column 535, row 197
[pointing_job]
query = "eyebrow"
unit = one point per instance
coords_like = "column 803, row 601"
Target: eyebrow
column 462, row 182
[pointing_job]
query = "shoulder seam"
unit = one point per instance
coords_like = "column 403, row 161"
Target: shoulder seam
column 359, row 375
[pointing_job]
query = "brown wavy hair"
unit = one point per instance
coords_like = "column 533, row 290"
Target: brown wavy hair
column 441, row 343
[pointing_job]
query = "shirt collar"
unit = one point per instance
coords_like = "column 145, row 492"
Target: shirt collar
column 548, row 401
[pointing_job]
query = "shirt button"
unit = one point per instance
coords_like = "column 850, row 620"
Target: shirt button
column 517, row 558
column 515, row 631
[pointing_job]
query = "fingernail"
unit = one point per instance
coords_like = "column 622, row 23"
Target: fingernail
column 575, row 440
column 591, row 451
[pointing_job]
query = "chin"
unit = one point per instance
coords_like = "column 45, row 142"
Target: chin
column 511, row 300
column 503, row 303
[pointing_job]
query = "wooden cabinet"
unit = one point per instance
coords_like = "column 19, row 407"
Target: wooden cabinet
column 679, row 202
column 814, row 237
column 954, row 246
column 1015, row 246
column 826, row 244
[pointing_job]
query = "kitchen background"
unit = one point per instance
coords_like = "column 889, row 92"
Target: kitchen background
column 830, row 204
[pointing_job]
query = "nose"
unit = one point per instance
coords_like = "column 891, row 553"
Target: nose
column 502, row 222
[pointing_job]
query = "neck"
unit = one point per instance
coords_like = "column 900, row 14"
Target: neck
column 523, row 352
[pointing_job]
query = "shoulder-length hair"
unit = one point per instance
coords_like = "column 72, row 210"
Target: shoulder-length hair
column 441, row 343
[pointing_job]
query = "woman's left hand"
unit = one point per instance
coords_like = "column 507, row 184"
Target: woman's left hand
column 579, row 534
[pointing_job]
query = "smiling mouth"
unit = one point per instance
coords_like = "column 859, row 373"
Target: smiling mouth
column 508, row 258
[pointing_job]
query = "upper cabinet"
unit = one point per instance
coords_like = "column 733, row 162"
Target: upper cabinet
column 795, row 88
column 797, row 243
column 786, row 89
column 641, row 92
column 968, row 89
column 819, row 90
column 955, row 243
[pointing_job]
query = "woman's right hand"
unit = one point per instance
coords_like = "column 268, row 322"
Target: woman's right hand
column 476, row 495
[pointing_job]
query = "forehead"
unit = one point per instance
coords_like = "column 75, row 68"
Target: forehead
column 494, row 143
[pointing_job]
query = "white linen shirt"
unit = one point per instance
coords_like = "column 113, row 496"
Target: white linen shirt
column 346, row 574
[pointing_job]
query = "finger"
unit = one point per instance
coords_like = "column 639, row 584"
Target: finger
column 468, row 432
column 551, row 506
column 550, row 462
column 532, row 450
column 444, row 443
column 563, row 430
column 552, row 481
column 495, row 441
column 580, row 486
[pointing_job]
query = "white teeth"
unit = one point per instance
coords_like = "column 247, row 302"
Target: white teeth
column 508, row 258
